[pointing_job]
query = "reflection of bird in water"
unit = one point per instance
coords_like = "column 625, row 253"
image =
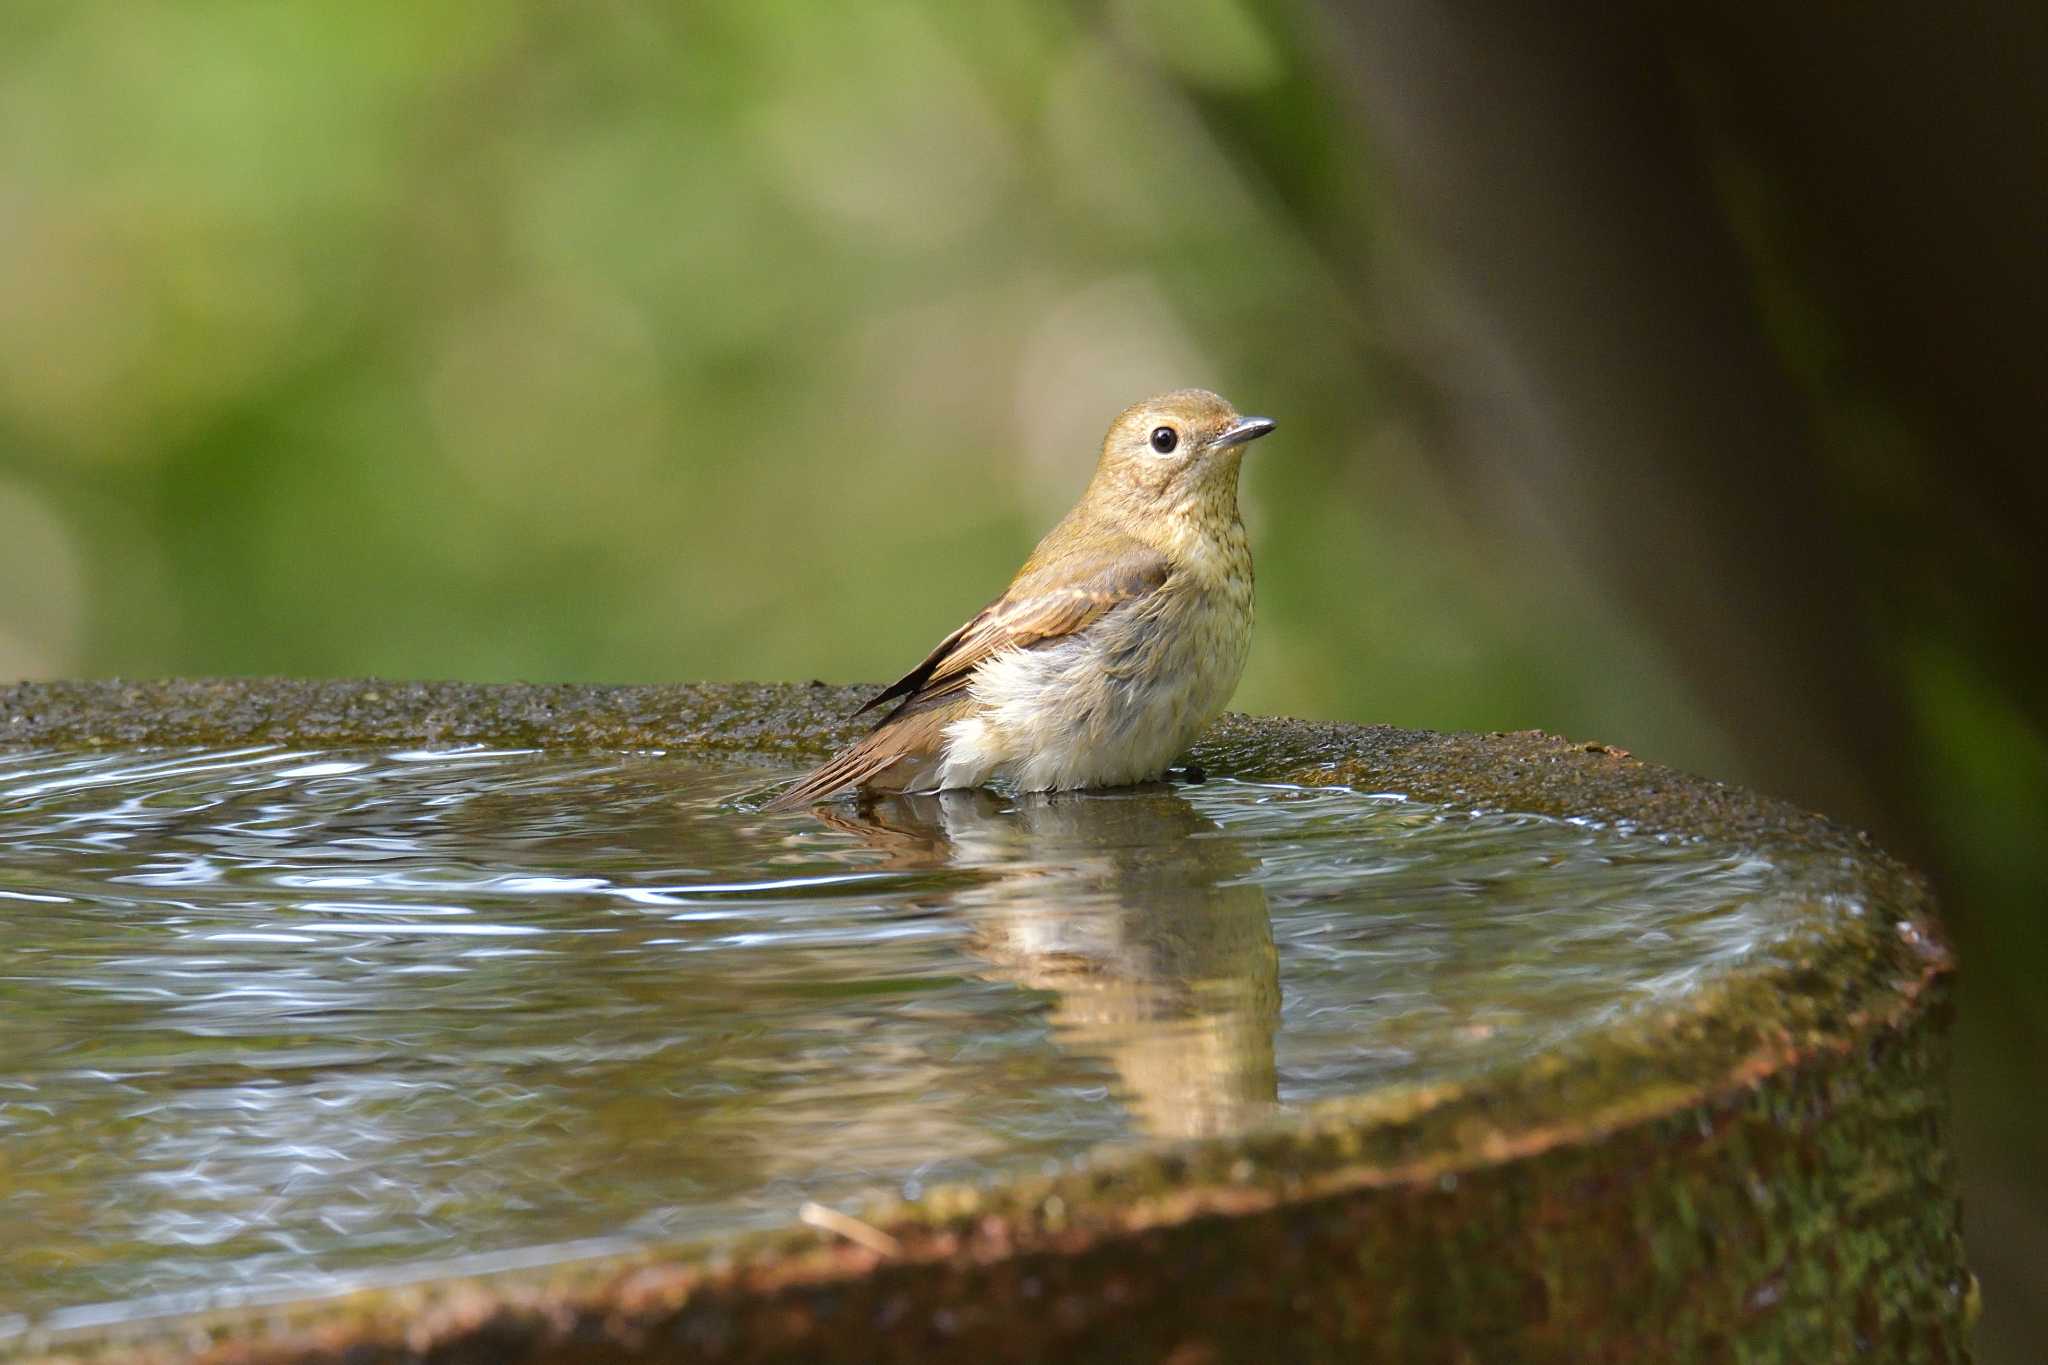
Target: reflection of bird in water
column 1133, row 909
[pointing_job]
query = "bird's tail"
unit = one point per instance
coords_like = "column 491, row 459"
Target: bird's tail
column 910, row 746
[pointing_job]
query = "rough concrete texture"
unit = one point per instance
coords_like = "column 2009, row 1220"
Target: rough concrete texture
column 1762, row 1173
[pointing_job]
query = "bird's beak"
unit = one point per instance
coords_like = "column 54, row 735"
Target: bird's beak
column 1245, row 429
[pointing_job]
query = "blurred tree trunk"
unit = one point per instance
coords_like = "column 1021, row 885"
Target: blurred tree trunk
column 1744, row 308
column 1611, row 380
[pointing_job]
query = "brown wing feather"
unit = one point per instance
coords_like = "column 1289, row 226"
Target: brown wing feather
column 914, row 679
column 1032, row 611
column 1045, row 602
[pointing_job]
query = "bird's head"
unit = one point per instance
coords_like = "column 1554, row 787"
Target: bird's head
column 1176, row 454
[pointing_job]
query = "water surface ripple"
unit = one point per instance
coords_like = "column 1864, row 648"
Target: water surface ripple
column 273, row 1017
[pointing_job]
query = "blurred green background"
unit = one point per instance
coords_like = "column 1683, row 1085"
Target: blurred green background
column 1675, row 379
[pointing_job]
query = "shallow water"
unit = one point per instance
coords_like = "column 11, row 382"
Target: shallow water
column 273, row 1018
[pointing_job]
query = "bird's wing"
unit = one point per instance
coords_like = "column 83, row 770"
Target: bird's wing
column 1041, row 605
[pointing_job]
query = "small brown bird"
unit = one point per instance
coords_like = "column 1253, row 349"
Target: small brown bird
column 1121, row 637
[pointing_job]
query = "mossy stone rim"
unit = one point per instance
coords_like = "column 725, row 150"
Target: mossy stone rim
column 1870, row 968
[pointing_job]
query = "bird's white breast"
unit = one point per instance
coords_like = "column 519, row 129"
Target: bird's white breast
column 1112, row 705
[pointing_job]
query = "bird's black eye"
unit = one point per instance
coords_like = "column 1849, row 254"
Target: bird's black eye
column 1164, row 439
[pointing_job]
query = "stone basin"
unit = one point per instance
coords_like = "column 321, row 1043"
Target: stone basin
column 1759, row 1169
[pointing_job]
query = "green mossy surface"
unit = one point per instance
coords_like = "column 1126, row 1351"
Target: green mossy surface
column 1760, row 1174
